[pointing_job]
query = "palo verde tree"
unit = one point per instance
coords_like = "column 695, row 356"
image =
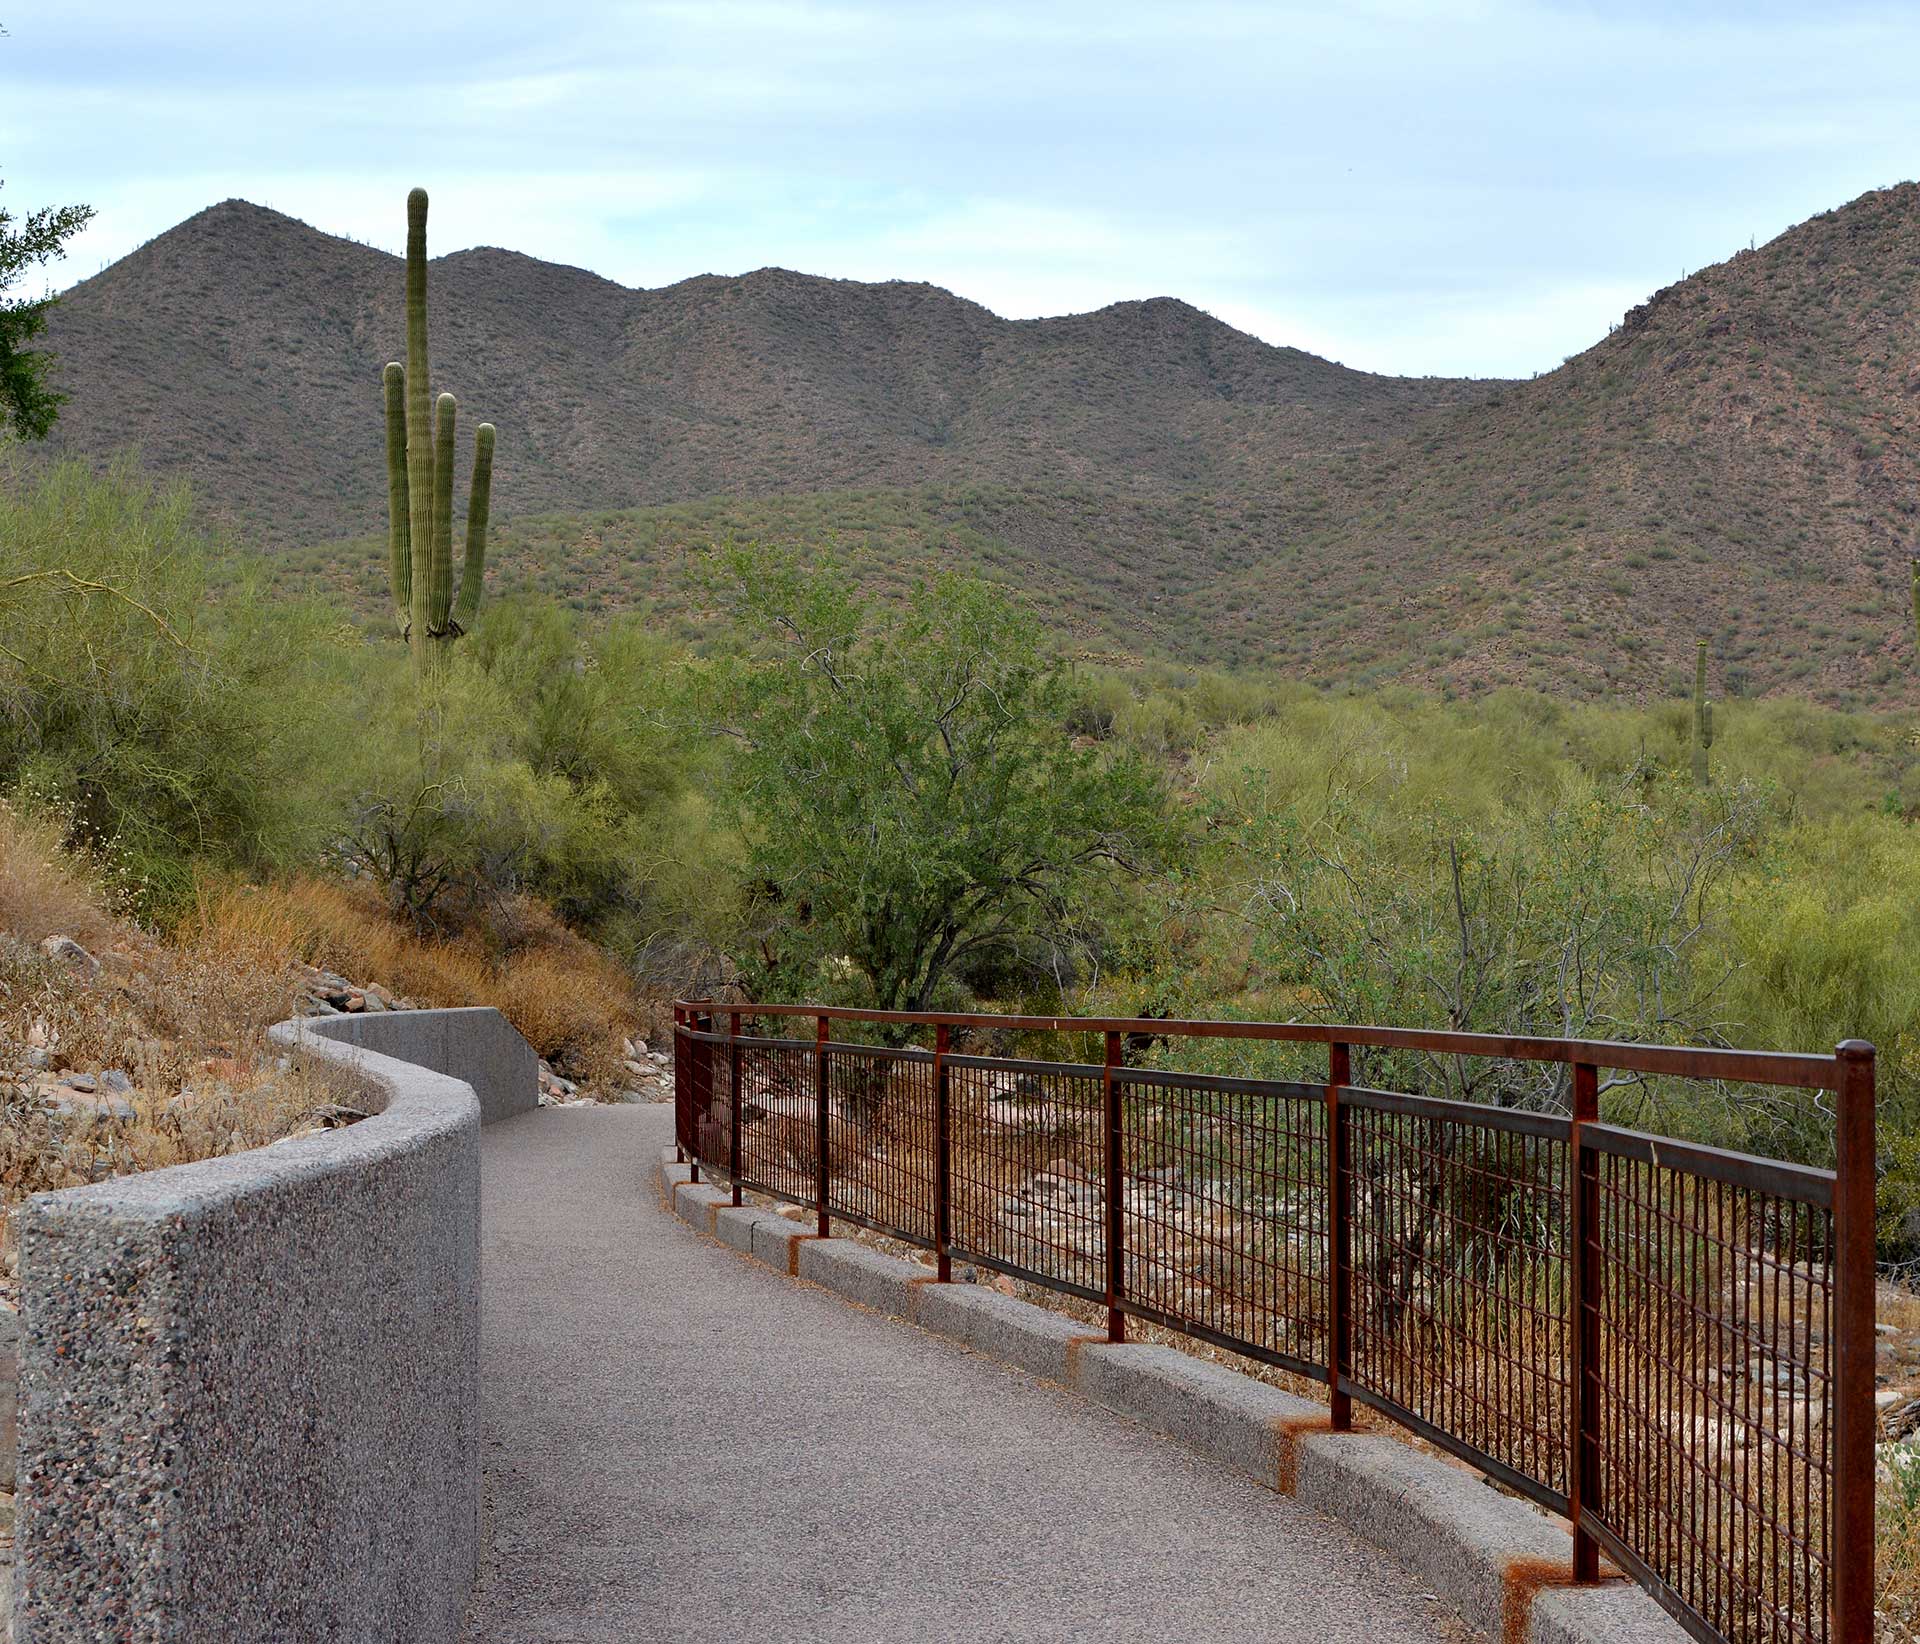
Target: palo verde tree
column 27, row 404
column 420, row 484
column 908, row 793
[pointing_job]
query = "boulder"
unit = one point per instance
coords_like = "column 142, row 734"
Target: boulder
column 64, row 950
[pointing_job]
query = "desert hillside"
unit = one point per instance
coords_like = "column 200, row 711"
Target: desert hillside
column 1736, row 459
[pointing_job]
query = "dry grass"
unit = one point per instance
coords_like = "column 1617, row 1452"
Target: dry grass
column 46, row 892
column 184, row 1022
column 573, row 1003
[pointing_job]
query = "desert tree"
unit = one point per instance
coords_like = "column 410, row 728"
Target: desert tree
column 909, row 800
column 28, row 404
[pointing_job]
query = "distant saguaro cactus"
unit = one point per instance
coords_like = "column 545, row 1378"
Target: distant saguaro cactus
column 420, row 483
column 1702, row 718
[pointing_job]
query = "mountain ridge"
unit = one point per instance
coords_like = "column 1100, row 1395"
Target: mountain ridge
column 1739, row 459
column 610, row 396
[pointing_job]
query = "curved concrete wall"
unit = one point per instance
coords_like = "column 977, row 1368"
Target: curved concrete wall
column 249, row 1386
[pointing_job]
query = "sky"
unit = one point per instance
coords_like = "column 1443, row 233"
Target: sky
column 1468, row 189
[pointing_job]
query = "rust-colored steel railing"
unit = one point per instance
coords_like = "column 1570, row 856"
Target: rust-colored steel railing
column 1670, row 1344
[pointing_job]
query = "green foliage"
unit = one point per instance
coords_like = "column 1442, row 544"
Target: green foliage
column 909, row 803
column 169, row 730
column 542, row 762
column 420, row 483
column 27, row 404
column 1702, row 719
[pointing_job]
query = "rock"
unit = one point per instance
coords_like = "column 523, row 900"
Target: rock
column 64, row 950
column 331, row 1116
column 371, row 1001
column 75, row 1104
column 628, row 1049
column 117, row 1082
column 82, row 1082
column 39, row 1057
column 320, row 1007
column 636, row 1069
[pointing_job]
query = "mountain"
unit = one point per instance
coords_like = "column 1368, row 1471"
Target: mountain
column 243, row 350
column 1736, row 459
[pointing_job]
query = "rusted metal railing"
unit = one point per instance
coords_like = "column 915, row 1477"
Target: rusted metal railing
column 1669, row 1344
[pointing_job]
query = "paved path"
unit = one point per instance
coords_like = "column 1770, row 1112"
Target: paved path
column 681, row 1444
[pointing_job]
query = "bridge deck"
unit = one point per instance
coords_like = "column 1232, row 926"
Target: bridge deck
column 680, row 1444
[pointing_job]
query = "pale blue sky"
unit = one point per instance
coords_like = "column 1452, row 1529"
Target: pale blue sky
column 1473, row 188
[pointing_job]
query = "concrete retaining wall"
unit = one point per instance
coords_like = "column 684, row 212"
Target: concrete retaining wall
column 249, row 1386
column 1501, row 1564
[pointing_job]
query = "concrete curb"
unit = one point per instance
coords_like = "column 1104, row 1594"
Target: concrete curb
column 1502, row 1565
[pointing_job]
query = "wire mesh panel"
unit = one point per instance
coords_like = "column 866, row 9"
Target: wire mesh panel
column 1224, row 1228
column 777, row 1132
column 1713, row 1378
column 1460, row 1297
column 1029, row 1167
column 682, row 1087
column 704, row 1132
column 1672, row 1343
column 882, row 1146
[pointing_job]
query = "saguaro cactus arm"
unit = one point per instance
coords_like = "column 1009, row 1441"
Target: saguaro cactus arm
column 479, row 500
column 1702, row 716
column 440, row 566
column 419, row 417
column 399, row 535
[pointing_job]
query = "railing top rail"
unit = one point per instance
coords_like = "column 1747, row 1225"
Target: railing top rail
column 1763, row 1067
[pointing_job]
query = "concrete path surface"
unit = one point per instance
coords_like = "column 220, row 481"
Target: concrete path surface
column 681, row 1444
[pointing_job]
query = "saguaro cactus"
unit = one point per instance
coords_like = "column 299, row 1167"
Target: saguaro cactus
column 1702, row 718
column 420, row 483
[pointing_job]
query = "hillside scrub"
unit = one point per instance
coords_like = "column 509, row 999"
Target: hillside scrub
column 137, row 1054
column 1522, row 865
column 569, row 998
column 776, row 809
column 164, row 722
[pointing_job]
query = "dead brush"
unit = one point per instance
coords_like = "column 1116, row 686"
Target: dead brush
column 571, row 1001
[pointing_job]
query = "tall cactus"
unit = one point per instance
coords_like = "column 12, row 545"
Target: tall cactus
column 420, row 483
column 1702, row 718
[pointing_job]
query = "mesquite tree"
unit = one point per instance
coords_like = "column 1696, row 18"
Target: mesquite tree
column 420, row 483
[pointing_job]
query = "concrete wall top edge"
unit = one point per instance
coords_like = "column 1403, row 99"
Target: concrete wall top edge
column 418, row 1106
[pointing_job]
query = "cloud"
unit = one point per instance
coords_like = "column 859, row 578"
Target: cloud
column 1464, row 188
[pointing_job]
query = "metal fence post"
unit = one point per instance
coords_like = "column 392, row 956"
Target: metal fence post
column 1583, row 1180
column 1855, row 1178
column 1339, row 1252
column 942, row 1154
column 1116, row 1199
column 733, row 1071
column 682, row 1081
column 820, row 1137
